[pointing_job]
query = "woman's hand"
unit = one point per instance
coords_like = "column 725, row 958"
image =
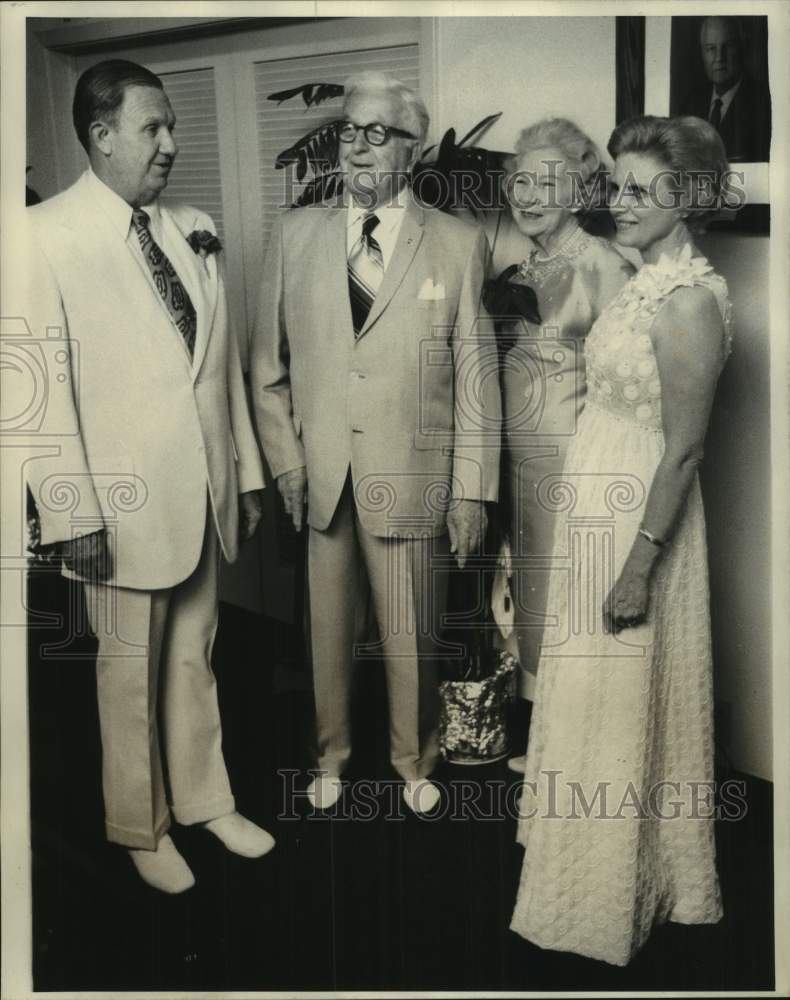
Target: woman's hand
column 627, row 603
column 250, row 510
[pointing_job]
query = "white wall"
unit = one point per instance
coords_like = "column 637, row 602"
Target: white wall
column 526, row 67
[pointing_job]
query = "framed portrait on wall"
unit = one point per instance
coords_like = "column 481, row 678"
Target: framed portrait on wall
column 715, row 68
column 719, row 71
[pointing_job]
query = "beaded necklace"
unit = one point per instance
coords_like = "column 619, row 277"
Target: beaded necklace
column 538, row 269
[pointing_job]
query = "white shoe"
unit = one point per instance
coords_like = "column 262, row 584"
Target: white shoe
column 518, row 764
column 164, row 868
column 421, row 796
column 241, row 835
column 324, row 791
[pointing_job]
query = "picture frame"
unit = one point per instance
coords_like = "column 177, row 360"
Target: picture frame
column 649, row 51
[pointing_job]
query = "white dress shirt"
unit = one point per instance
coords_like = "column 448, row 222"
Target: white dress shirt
column 725, row 98
column 179, row 252
column 386, row 232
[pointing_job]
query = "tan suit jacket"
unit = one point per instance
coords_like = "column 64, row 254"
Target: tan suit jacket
column 142, row 437
column 412, row 405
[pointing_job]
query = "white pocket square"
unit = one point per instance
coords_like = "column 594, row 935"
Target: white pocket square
column 430, row 292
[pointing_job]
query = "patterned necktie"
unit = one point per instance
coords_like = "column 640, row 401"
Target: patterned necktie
column 365, row 271
column 167, row 282
column 715, row 114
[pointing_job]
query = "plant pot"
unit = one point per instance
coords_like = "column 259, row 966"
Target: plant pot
column 472, row 722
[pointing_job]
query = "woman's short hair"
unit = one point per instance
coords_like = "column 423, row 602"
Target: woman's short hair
column 689, row 147
column 100, row 90
column 577, row 149
column 562, row 134
column 414, row 110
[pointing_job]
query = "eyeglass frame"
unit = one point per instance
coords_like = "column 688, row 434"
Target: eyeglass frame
column 389, row 130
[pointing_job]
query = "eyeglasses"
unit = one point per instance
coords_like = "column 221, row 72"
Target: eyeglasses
column 375, row 133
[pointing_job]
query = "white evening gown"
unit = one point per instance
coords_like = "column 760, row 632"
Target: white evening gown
column 622, row 728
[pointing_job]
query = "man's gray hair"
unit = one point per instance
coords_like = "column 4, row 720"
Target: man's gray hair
column 414, row 113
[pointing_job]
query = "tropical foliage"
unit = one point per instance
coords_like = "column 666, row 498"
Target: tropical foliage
column 315, row 159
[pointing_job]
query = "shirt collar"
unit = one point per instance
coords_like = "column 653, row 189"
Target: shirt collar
column 118, row 211
column 389, row 216
column 727, row 96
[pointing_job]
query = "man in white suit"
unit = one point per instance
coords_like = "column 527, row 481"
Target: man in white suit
column 375, row 389
column 155, row 470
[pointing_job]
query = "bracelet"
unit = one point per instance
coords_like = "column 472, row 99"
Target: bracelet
column 651, row 538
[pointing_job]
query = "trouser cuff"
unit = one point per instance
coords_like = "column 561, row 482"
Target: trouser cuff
column 202, row 812
column 145, row 840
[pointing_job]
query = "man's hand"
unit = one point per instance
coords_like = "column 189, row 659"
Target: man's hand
column 250, row 510
column 293, row 487
column 88, row 555
column 467, row 524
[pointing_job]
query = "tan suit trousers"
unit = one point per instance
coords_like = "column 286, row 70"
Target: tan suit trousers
column 406, row 578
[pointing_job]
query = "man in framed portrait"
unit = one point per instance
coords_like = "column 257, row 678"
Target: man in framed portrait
column 735, row 103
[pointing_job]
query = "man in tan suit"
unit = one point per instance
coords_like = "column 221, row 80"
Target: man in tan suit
column 376, row 396
column 154, row 469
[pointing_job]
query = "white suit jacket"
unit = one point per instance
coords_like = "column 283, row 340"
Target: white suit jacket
column 142, row 438
column 412, row 405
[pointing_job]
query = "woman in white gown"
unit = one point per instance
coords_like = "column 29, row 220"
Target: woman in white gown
column 617, row 812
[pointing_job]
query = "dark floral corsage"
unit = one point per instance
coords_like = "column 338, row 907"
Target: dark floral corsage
column 503, row 297
column 204, row 242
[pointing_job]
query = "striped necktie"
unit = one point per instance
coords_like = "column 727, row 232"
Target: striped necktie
column 365, row 271
column 167, row 282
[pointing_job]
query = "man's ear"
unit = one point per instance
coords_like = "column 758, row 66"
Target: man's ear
column 415, row 156
column 101, row 137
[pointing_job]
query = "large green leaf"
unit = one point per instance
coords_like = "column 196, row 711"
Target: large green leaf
column 312, row 93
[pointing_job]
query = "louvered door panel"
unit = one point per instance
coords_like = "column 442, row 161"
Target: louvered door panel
column 195, row 178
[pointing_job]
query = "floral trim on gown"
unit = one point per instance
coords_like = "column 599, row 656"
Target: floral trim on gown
column 616, row 811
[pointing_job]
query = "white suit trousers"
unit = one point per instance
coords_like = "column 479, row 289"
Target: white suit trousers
column 157, row 692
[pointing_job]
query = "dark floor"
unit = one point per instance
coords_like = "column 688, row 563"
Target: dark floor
column 379, row 904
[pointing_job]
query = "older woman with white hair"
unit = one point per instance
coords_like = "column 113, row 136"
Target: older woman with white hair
column 559, row 279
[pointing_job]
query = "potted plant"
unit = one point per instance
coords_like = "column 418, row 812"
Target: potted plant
column 314, row 158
